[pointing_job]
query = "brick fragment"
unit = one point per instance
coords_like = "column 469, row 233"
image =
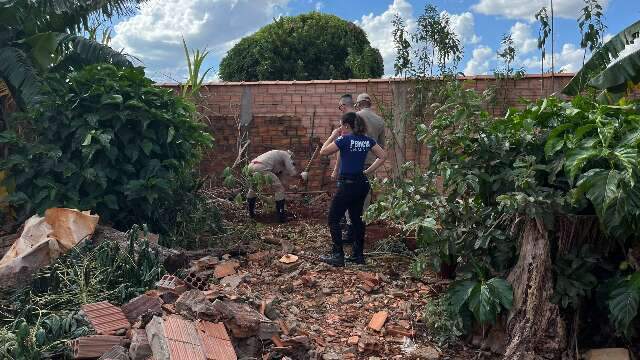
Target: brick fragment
column 140, row 348
column 171, row 283
column 141, row 305
column 91, row 347
column 259, row 256
column 378, row 319
column 244, row 321
column 225, row 269
column 394, row 330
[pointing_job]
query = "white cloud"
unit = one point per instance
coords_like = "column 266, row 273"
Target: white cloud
column 380, row 30
column 480, row 61
column 154, row 34
column 526, row 9
column 523, row 40
column 568, row 59
column 464, row 26
column 319, row 5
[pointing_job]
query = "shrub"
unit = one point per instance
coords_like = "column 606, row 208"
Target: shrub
column 304, row 47
column 104, row 139
column 444, row 324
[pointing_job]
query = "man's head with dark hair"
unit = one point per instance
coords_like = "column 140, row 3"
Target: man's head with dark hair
column 346, row 103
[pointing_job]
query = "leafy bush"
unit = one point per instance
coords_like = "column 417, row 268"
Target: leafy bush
column 244, row 179
column 574, row 277
column 485, row 299
column 624, row 303
column 304, row 47
column 104, row 139
column 192, row 222
column 552, row 157
column 445, row 325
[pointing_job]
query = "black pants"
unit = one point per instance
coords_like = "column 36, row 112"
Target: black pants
column 352, row 191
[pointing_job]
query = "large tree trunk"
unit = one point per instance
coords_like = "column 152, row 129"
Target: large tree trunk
column 535, row 327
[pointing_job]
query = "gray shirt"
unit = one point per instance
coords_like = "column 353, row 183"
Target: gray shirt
column 375, row 129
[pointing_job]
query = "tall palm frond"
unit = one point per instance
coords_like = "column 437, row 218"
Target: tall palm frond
column 20, row 75
column 92, row 52
column 599, row 72
column 75, row 15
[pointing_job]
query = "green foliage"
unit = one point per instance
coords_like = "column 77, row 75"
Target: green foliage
column 42, row 317
column 402, row 45
column 591, row 26
column 45, row 339
column 195, row 59
column 601, row 72
column 485, row 299
column 544, row 30
column 243, row 180
column 303, row 47
column 108, row 272
column 435, row 44
column 623, row 303
column 108, row 140
column 36, row 36
column 192, row 222
column 574, row 277
column 598, row 147
column 445, row 326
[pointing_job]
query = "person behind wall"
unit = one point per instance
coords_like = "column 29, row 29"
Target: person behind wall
column 351, row 141
column 375, row 130
column 275, row 165
column 345, row 105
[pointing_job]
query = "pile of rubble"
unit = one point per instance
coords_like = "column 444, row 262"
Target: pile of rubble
column 264, row 305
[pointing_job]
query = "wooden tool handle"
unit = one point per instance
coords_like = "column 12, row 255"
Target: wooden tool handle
column 310, row 160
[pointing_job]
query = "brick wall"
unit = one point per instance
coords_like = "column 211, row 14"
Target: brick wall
column 300, row 115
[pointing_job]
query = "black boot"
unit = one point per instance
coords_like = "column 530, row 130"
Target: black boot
column 251, row 206
column 282, row 217
column 357, row 253
column 359, row 260
column 336, row 258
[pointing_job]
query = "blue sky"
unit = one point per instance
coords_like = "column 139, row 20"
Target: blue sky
column 153, row 35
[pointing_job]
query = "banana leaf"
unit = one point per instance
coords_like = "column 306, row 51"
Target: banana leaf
column 596, row 71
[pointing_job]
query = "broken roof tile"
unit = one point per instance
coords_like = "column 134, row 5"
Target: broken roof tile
column 105, row 318
column 216, row 330
column 215, row 341
column 184, row 351
column 176, row 328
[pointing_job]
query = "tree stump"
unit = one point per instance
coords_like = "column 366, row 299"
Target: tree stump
column 536, row 329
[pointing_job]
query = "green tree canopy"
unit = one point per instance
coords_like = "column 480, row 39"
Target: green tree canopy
column 303, row 47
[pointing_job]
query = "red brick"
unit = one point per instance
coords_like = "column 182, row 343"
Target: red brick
column 377, row 320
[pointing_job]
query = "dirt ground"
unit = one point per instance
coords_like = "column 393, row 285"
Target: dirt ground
column 334, row 306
